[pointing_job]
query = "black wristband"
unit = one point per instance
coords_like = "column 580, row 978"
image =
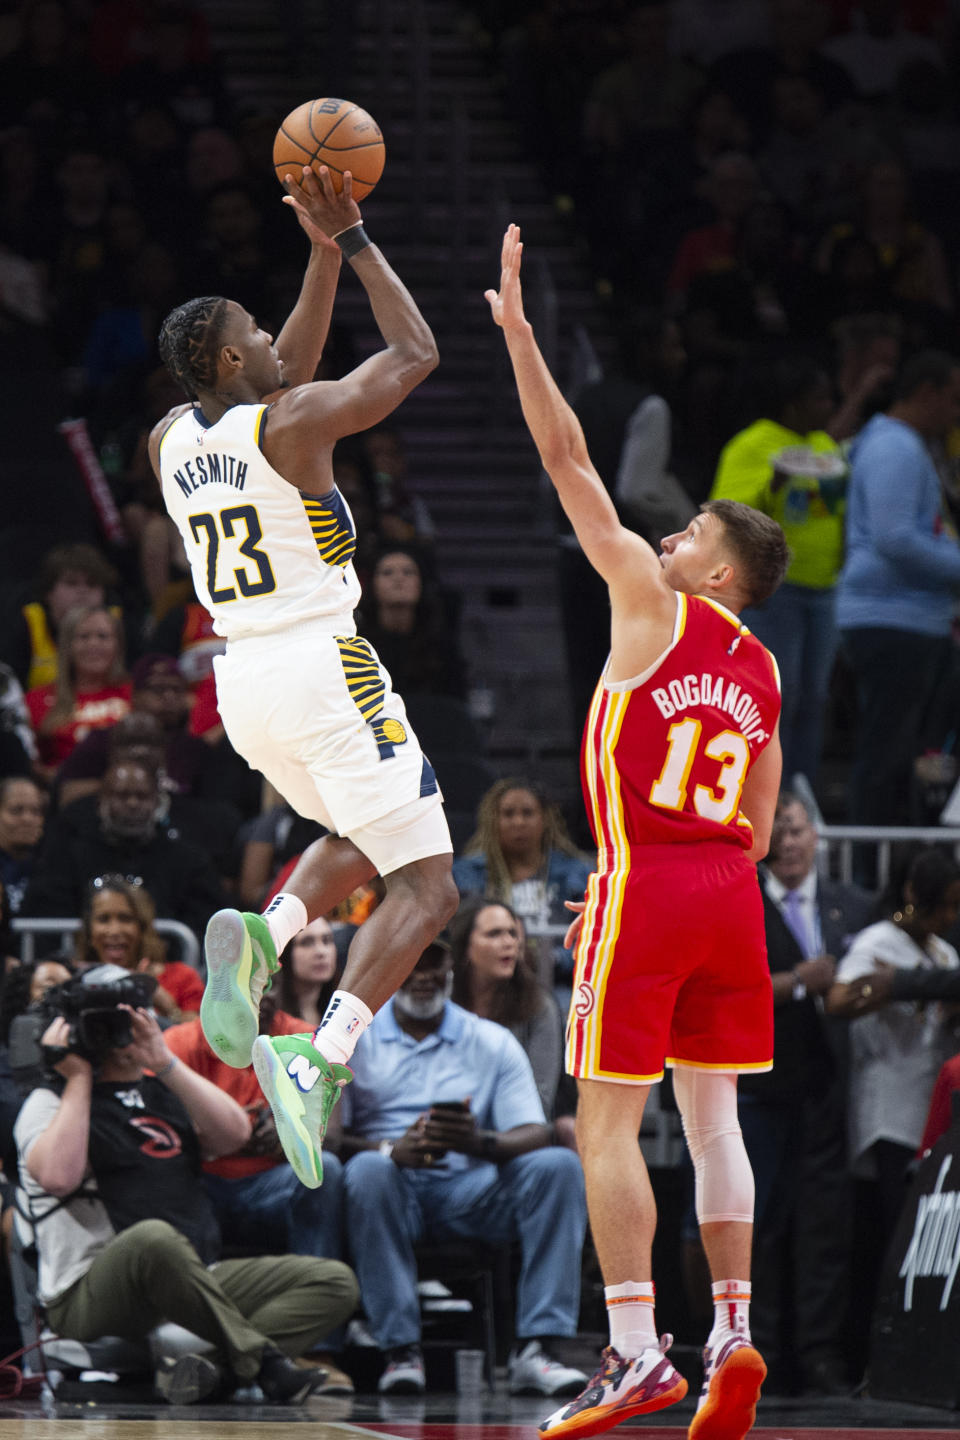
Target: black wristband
column 352, row 241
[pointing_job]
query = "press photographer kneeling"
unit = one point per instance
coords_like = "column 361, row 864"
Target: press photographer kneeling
column 124, row 1232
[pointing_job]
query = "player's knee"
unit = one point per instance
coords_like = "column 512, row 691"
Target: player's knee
column 428, row 887
column 447, row 900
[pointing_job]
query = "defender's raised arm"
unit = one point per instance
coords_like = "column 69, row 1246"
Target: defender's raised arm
column 614, row 552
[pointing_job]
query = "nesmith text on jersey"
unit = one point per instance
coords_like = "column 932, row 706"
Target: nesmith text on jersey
column 211, row 469
column 718, row 693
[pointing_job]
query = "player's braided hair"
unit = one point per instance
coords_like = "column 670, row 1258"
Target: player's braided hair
column 188, row 342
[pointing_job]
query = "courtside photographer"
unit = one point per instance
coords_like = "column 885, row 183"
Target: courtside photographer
column 110, row 1149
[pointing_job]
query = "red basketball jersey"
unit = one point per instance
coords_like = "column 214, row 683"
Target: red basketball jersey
column 665, row 755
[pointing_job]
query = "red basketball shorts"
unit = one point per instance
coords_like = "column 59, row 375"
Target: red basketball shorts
column 671, row 967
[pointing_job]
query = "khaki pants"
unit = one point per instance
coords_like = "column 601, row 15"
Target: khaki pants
column 151, row 1273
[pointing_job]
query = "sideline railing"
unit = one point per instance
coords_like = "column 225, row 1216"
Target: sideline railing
column 838, row 842
column 28, row 928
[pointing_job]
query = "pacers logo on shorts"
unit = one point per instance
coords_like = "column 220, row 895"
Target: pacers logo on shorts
column 586, row 1000
column 366, row 687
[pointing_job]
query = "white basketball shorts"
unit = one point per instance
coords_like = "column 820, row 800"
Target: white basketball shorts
column 316, row 714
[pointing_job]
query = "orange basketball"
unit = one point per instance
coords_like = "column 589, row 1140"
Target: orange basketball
column 335, row 133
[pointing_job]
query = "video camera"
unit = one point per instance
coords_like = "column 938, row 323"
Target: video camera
column 92, row 1010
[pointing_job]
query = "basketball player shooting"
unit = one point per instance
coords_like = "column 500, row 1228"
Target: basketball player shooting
column 245, row 471
column 680, row 771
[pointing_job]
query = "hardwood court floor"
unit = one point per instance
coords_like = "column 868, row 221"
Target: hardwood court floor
column 440, row 1416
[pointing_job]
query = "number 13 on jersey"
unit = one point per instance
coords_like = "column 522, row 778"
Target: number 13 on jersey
column 720, row 802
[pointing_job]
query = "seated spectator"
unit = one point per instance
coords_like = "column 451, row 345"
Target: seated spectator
column 895, row 1053
column 750, row 74
column 402, row 517
column 797, row 153
column 896, row 1050
column 160, row 691
column 911, row 255
column 259, row 1203
column 446, row 1140
column 45, row 76
column 647, row 90
column 402, row 616
column 731, row 189
column 211, row 825
column 116, row 928
column 125, row 1233
column 309, row 973
column 494, row 977
column 764, row 466
column 877, row 46
column 70, row 575
column 521, row 854
column 18, row 744
column 22, row 809
column 91, row 690
column 176, row 65
column 116, row 833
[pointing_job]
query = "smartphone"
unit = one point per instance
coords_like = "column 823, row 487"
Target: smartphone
column 459, row 1106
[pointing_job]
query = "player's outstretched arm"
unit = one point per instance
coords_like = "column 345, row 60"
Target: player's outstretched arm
column 558, row 436
column 322, row 213
column 374, row 389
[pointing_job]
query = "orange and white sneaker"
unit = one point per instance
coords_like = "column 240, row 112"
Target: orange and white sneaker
column 620, row 1388
column 731, row 1388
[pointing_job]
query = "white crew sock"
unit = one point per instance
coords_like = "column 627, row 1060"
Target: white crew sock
column 286, row 916
column 344, row 1021
column 630, row 1317
column 731, row 1311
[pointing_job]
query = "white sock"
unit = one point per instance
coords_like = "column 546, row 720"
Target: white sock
column 630, row 1317
column 344, row 1021
column 731, row 1311
column 286, row 916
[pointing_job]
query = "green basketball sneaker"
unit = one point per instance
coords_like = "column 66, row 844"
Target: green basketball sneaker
column 302, row 1089
column 241, row 957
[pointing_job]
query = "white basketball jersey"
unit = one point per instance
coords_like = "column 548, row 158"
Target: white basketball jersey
column 262, row 554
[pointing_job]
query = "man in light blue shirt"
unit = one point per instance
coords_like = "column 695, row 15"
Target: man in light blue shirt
column 897, row 591
column 446, row 1138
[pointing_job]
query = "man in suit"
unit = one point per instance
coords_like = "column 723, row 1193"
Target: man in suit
column 793, row 1118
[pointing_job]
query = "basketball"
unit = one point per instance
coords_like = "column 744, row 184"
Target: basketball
column 335, row 133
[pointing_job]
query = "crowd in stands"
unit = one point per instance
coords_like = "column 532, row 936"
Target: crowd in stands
column 778, row 240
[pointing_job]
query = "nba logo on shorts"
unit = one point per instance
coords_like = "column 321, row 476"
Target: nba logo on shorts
column 586, row 1000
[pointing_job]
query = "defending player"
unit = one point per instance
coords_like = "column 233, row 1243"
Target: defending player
column 245, row 471
column 680, row 770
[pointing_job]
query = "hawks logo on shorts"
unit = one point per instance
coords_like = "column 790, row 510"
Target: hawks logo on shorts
column 366, row 687
column 584, row 1000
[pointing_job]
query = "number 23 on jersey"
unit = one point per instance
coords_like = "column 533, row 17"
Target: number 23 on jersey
column 237, row 529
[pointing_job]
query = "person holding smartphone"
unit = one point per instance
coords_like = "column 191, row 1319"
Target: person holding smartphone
column 444, row 1135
